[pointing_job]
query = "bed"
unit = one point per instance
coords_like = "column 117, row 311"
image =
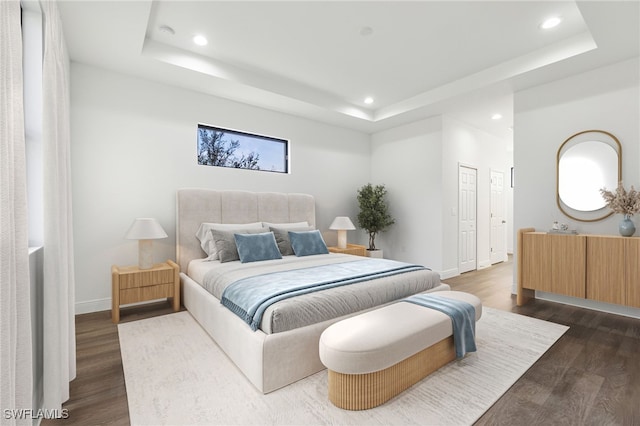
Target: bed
column 274, row 355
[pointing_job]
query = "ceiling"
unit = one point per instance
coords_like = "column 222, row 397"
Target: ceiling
column 320, row 60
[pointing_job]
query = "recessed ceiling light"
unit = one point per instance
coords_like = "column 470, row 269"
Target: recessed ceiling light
column 368, row 100
column 166, row 29
column 496, row 116
column 366, row 31
column 200, row 40
column 552, row 22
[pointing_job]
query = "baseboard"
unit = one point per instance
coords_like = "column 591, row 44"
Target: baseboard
column 449, row 273
column 95, row 305
column 482, row 264
column 99, row 305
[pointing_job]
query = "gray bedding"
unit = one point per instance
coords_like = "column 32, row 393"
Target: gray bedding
column 323, row 305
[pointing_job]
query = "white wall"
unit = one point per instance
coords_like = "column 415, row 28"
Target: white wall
column 545, row 116
column 134, row 145
column 408, row 161
column 604, row 99
column 418, row 163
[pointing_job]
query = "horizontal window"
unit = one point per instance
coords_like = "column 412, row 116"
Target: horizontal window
column 231, row 148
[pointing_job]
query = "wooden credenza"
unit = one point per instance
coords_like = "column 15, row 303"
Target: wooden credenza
column 604, row 268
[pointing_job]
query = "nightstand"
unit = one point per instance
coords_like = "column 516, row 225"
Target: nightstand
column 130, row 284
column 354, row 249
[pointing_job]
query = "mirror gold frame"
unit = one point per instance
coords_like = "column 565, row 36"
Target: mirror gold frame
column 574, row 140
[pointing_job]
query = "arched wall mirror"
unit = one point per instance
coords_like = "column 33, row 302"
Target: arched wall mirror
column 587, row 161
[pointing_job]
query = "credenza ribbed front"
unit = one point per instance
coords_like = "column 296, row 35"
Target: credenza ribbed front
column 604, row 268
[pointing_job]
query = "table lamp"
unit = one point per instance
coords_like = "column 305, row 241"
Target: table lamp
column 145, row 230
column 342, row 224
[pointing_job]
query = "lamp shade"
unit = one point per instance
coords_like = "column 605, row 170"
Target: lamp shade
column 145, row 228
column 342, row 223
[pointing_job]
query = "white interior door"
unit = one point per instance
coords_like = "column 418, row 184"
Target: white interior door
column 498, row 222
column 467, row 206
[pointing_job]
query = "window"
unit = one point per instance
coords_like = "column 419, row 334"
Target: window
column 32, row 49
column 231, row 148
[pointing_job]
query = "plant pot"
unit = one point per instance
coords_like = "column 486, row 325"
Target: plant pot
column 377, row 254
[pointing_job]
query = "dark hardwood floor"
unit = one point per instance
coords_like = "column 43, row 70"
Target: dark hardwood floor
column 591, row 376
column 98, row 395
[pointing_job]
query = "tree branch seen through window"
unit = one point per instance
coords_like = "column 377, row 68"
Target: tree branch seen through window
column 230, row 148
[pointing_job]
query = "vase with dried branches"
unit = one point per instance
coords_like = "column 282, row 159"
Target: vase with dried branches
column 624, row 202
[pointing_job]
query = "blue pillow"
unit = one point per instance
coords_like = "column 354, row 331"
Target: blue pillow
column 307, row 243
column 225, row 243
column 254, row 247
column 282, row 238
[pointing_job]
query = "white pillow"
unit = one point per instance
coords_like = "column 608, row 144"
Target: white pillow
column 206, row 239
column 289, row 225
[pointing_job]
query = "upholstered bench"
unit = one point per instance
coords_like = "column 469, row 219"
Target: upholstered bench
column 374, row 356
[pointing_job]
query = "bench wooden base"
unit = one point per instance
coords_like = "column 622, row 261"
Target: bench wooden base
column 364, row 391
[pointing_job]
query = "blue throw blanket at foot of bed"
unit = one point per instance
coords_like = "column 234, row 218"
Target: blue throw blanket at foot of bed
column 463, row 318
column 249, row 297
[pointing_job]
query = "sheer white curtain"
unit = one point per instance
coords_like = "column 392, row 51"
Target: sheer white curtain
column 15, row 317
column 59, row 346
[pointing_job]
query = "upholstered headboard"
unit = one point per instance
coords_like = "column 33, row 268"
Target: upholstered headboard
column 195, row 206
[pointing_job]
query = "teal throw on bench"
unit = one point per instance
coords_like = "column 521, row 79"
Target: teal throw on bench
column 463, row 318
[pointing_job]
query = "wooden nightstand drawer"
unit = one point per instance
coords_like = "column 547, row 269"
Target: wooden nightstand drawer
column 130, row 284
column 355, row 249
column 154, row 276
column 149, row 292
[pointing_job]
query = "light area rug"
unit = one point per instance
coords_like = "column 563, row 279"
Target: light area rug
column 176, row 375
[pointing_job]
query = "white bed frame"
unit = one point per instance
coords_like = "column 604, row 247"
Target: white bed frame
column 269, row 361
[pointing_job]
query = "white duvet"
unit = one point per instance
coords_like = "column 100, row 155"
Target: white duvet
column 313, row 307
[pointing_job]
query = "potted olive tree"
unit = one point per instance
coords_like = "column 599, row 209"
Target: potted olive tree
column 374, row 214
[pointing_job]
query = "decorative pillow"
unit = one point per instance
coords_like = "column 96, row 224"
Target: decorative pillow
column 225, row 242
column 307, row 243
column 206, row 240
column 255, row 247
column 282, row 238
